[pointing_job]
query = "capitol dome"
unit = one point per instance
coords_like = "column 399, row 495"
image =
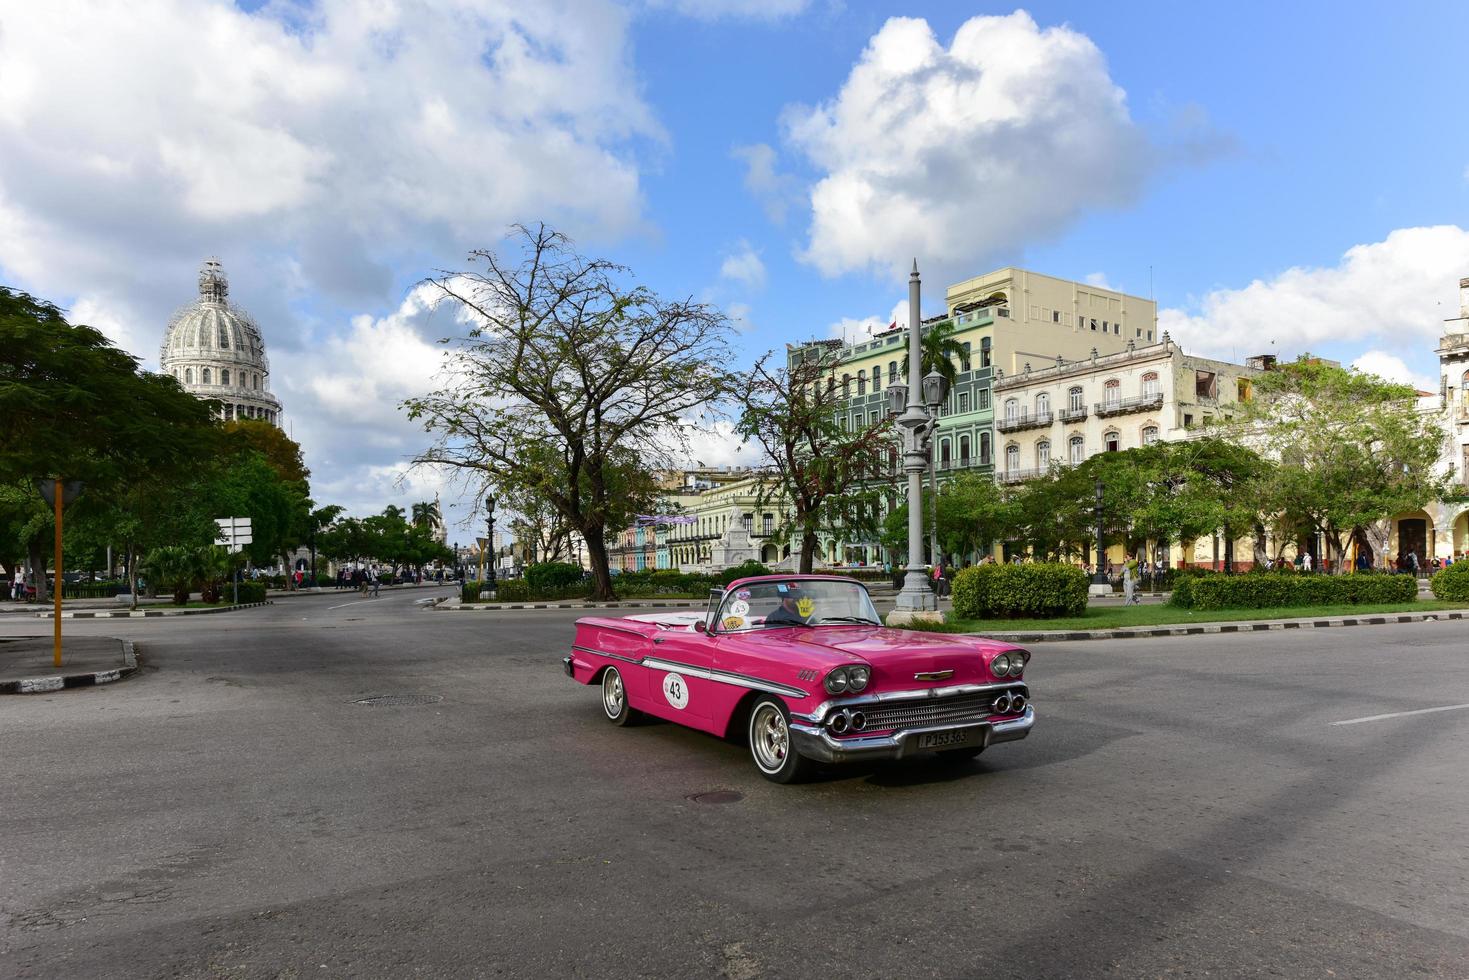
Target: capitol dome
column 215, row 351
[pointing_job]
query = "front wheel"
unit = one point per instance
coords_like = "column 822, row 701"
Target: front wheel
column 770, row 744
column 614, row 698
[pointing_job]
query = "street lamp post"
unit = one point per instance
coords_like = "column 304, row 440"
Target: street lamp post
column 916, row 600
column 1100, row 585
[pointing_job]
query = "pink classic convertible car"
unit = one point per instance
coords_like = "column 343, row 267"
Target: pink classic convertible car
column 803, row 667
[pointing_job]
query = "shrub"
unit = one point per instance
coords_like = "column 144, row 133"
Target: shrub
column 1266, row 590
column 249, row 592
column 747, row 570
column 469, row 591
column 1452, row 584
column 1029, row 591
column 512, row 590
column 552, row 575
column 1183, row 585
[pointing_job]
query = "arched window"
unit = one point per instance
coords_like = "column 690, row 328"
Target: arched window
column 944, row 454
column 1112, row 393
column 862, row 382
column 984, row 352
column 964, row 361
column 1150, row 435
column 892, row 372
column 1078, row 450
column 188, row 376
column 877, row 378
column 984, row 447
column 1150, row 385
column 1042, row 403
column 204, row 378
column 1042, row 454
column 846, row 386
column 1464, row 382
column 1112, row 441
column 256, row 378
column 224, row 376
column 964, row 450
column 1012, row 409
column 224, row 338
column 1074, row 401
column 831, row 383
column 1012, row 459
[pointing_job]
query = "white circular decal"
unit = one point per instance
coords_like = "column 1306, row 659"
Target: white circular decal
column 739, row 607
column 676, row 690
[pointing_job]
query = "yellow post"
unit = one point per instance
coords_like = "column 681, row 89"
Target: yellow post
column 58, row 571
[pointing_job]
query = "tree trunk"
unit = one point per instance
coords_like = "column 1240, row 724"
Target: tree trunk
column 38, row 568
column 1378, row 534
column 808, row 551
column 132, row 576
column 597, row 552
column 1260, row 555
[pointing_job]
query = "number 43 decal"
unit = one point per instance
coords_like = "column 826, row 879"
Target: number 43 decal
column 676, row 690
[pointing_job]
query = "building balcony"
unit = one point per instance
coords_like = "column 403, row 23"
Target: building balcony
column 1020, row 476
column 962, row 463
column 1025, row 420
column 980, row 317
column 1126, row 406
column 1067, row 415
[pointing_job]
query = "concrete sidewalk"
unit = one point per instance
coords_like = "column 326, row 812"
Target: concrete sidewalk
column 26, row 663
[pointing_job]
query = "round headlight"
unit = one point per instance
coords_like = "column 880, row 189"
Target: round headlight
column 857, row 678
column 1000, row 666
column 836, row 681
column 1017, row 664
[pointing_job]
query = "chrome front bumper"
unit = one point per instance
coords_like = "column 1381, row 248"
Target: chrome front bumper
column 814, row 742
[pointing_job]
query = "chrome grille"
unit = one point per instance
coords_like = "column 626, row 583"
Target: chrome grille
column 935, row 711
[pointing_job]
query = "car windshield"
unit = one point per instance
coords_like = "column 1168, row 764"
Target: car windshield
column 795, row 602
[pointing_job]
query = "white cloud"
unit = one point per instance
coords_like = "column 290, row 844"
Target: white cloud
column 717, row 445
column 964, row 153
column 776, row 192
column 1098, row 279
column 1397, row 291
column 739, row 316
column 857, row 329
column 744, row 266
column 717, row 9
column 1391, row 367
column 322, row 146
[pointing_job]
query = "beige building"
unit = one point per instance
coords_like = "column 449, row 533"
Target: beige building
column 1062, row 413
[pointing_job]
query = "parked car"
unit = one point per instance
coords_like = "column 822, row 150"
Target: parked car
column 802, row 667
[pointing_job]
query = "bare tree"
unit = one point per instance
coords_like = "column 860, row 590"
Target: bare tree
column 570, row 383
column 829, row 472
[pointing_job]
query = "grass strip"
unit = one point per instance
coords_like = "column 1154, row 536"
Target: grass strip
column 1122, row 617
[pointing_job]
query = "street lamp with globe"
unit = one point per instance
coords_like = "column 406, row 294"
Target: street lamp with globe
column 490, row 544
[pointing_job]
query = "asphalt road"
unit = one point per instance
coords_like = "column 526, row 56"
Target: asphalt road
column 1183, row 808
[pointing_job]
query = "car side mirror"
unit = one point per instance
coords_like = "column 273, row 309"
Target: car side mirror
column 701, row 627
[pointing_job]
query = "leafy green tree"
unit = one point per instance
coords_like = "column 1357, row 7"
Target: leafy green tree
column 972, row 512
column 174, row 567
column 569, row 382
column 813, row 463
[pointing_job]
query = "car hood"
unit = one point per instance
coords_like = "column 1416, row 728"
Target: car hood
column 895, row 656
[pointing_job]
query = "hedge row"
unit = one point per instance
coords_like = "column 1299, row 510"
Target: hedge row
column 249, row 592
column 1269, row 590
column 1452, row 584
column 1035, row 590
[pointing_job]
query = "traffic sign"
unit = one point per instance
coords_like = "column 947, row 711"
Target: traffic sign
column 234, row 532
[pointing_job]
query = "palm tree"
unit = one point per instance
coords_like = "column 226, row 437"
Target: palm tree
column 175, row 567
column 939, row 353
column 426, row 515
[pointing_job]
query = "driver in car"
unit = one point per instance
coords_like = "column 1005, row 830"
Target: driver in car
column 789, row 611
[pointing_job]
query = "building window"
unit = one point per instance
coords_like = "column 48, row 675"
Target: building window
column 767, row 523
column 1243, row 393
column 204, row 377
column 1042, row 455
column 1012, row 409
column 877, row 377
column 984, row 400
column 1188, row 420
column 984, row 352
column 872, row 418
column 257, row 381
column 1055, row 316
column 862, row 382
column 1111, row 442
column 984, row 448
column 1463, row 382
column 1150, row 385
column 1150, row 435
column 1078, row 450
column 964, row 361
column 224, row 376
column 892, row 372
column 963, row 402
column 1094, row 324
column 1112, row 393
column 846, row 386
column 1074, row 401
column 964, row 450
column 1012, row 459
column 224, row 339
column 944, row 453
column 188, row 376
column 1042, row 403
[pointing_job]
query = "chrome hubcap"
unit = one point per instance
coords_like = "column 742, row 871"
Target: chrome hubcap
column 769, row 738
column 612, row 698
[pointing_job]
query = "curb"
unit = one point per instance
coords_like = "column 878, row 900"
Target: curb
column 41, row 685
column 494, row 607
column 149, row 613
column 1208, row 628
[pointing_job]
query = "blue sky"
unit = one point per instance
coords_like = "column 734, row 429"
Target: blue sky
column 1291, row 173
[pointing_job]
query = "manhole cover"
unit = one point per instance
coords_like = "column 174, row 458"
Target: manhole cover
column 718, row 796
column 402, row 699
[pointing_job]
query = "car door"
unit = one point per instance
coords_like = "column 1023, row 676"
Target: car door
column 679, row 666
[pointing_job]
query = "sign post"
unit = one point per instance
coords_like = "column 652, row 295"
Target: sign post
column 234, row 534
column 58, row 494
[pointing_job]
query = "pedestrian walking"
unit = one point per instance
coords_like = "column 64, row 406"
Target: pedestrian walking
column 1129, row 582
column 376, row 582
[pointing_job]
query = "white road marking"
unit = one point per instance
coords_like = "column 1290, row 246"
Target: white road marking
column 356, row 603
column 1401, row 714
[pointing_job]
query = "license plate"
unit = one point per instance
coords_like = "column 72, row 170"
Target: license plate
column 948, row 740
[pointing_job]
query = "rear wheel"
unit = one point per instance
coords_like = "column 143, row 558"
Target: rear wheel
column 614, row 698
column 770, row 744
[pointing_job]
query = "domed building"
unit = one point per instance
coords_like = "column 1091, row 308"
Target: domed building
column 214, row 349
